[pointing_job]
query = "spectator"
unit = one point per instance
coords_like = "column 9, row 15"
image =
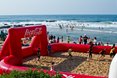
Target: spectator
column 95, row 41
column 85, row 39
column 80, row 40
column 89, row 40
column 54, row 39
column 58, row 40
column 3, row 35
column 107, row 44
column 62, row 39
column 68, row 39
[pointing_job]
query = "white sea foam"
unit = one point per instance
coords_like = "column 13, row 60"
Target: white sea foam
column 66, row 23
column 91, row 27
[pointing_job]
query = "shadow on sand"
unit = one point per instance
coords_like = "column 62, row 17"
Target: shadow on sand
column 66, row 66
column 69, row 64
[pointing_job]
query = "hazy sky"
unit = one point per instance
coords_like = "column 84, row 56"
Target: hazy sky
column 24, row 7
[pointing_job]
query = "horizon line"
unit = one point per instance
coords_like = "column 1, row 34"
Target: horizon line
column 54, row 14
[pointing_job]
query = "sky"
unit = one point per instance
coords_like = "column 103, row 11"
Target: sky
column 50, row 7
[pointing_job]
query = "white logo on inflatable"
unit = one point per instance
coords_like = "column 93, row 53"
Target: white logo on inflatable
column 31, row 33
column 70, row 76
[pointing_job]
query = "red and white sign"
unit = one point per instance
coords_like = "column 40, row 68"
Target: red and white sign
column 31, row 33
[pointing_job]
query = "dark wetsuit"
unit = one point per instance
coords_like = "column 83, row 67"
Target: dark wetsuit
column 90, row 51
column 49, row 49
column 38, row 54
column 103, row 52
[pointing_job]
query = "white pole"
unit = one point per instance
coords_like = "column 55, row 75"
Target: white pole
column 113, row 68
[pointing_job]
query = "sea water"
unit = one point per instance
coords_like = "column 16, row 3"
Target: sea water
column 104, row 27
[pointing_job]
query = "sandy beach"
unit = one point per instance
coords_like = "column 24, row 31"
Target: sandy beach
column 78, row 64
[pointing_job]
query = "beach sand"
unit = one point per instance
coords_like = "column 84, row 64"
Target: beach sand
column 78, row 64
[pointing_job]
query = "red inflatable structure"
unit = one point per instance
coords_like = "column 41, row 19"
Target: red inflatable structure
column 12, row 53
column 63, row 47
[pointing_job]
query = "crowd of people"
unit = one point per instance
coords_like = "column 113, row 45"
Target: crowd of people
column 84, row 40
column 53, row 39
column 81, row 40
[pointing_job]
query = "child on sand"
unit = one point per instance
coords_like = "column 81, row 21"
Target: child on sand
column 38, row 54
column 91, row 50
column 112, row 51
column 69, row 52
column 52, row 66
column 102, row 52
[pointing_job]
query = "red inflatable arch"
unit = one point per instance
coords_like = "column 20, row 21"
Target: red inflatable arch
column 13, row 48
column 12, row 53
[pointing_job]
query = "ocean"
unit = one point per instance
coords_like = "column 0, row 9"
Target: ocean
column 104, row 27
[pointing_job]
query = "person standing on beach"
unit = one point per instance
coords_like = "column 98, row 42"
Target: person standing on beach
column 95, row 41
column 107, row 44
column 69, row 52
column 61, row 38
column 91, row 50
column 112, row 51
column 3, row 36
column 52, row 66
column 58, row 40
column 38, row 54
column 80, row 40
column 49, row 49
column 68, row 39
column 85, row 39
